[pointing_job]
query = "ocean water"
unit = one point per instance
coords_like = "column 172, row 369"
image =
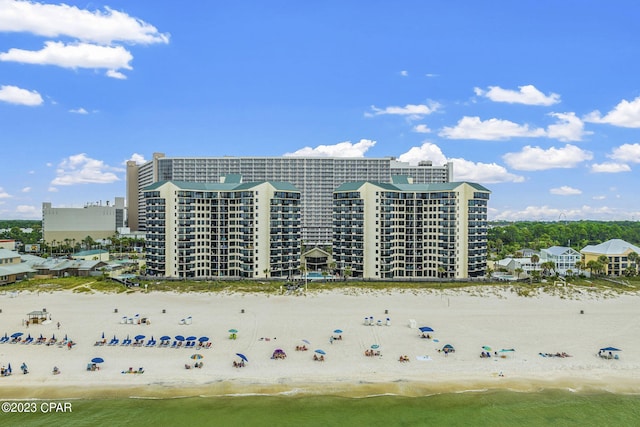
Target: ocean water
column 485, row 408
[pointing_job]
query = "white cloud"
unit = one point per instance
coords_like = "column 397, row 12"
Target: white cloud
column 547, row 213
column 4, row 194
column 16, row 95
column 536, row 158
column 80, row 169
column 431, row 75
column 138, row 158
column 568, row 128
column 26, row 190
column 528, row 95
column 49, row 20
column 427, row 151
column 489, row 130
column 421, row 129
column 412, row 111
column 610, row 167
column 599, row 197
column 115, row 75
column 464, row 170
column 342, row 149
column 52, row 190
column 79, row 111
column 483, row 173
column 565, row 190
column 80, row 55
column 626, row 153
column 404, row 73
column 625, row 114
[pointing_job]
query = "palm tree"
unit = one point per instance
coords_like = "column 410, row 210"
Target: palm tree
column 633, row 258
column 534, row 260
column 518, row 272
column 604, row 260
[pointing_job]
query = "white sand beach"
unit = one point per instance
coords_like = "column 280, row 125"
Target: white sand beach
column 466, row 319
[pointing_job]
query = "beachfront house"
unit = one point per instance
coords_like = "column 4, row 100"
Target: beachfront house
column 12, row 268
column 564, row 259
column 616, row 251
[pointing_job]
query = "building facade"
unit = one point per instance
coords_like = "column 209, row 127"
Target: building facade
column 617, row 252
column 97, row 221
column 228, row 229
column 564, row 258
column 406, row 230
column 315, row 177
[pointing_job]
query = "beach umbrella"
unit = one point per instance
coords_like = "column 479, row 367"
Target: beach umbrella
column 337, row 331
column 320, row 351
column 9, row 368
column 504, row 350
column 233, row 331
column 66, row 339
column 165, row 337
column 139, row 337
column 97, row 360
column 196, row 356
column 610, row 349
column 53, row 337
column 203, row 339
column 102, row 335
column 486, row 347
column 179, row 338
column 425, row 329
column 447, row 347
column 306, row 341
column 17, row 334
column 191, row 338
column 375, row 346
column 242, row 356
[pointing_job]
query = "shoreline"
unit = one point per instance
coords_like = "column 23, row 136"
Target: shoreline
column 399, row 388
column 500, row 318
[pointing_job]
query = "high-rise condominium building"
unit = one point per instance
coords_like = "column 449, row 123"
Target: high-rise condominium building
column 315, row 177
column 404, row 230
column 228, row 229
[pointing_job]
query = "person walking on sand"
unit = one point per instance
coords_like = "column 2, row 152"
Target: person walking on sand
column 58, row 325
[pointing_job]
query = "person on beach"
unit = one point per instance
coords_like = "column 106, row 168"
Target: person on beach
column 58, row 325
column 56, row 371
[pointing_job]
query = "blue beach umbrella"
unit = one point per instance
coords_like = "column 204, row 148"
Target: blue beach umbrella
column 17, row 334
column 242, row 356
column 139, row 337
column 97, row 360
column 610, row 349
column 179, row 338
column 191, row 338
column 233, row 331
column 203, row 339
column 306, row 341
column 337, row 331
column 102, row 335
column 425, row 329
column 320, row 351
column 9, row 368
column 165, row 337
column 375, row 346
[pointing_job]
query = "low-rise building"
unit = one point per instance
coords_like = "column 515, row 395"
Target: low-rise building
column 12, row 268
column 617, row 252
column 564, row 258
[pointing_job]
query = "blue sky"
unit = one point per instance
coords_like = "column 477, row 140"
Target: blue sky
column 537, row 100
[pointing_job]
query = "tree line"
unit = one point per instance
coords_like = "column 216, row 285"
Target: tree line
column 508, row 238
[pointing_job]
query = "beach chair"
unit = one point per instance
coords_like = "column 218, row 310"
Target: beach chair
column 175, row 344
column 29, row 340
column 114, row 341
column 4, row 339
